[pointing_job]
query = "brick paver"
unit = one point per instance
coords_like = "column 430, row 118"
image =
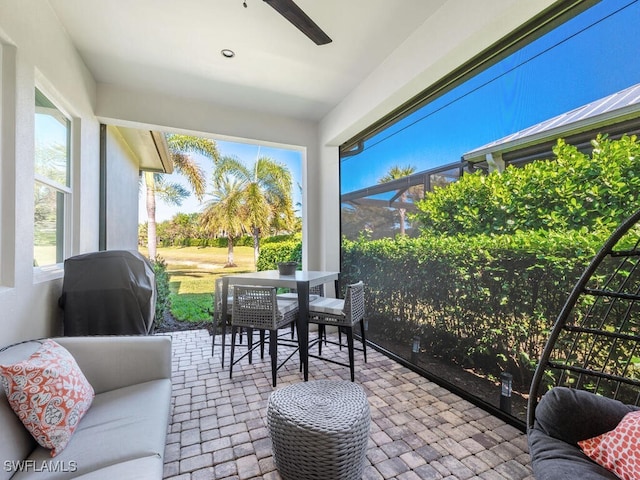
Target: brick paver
column 419, row 430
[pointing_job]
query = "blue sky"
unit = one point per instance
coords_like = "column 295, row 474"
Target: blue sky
column 568, row 67
column 246, row 152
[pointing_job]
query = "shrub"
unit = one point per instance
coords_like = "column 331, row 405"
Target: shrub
column 497, row 257
column 484, row 302
column 281, row 238
column 273, row 253
column 162, row 290
column 572, row 192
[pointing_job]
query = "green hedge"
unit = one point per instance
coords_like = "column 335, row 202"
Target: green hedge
column 484, row 302
column 272, row 253
column 281, row 238
column 220, row 242
column 574, row 190
column 497, row 258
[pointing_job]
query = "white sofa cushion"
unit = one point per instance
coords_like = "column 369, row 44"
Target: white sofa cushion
column 131, row 425
column 331, row 306
column 293, row 296
column 107, row 361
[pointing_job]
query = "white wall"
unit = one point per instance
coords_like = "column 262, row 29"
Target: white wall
column 122, row 169
column 37, row 52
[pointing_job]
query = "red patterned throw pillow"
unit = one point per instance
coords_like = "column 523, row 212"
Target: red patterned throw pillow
column 49, row 394
column 619, row 449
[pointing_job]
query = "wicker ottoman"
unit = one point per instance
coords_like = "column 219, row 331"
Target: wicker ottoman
column 319, row 430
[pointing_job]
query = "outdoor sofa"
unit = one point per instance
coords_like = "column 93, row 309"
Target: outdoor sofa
column 122, row 434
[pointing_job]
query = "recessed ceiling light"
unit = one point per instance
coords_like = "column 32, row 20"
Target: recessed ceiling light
column 227, row 53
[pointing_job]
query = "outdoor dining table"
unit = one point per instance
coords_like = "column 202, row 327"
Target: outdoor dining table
column 301, row 281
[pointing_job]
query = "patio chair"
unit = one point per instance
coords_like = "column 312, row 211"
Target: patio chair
column 589, row 367
column 344, row 314
column 217, row 311
column 314, row 293
column 257, row 308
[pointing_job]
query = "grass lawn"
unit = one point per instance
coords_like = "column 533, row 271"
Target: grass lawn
column 192, row 272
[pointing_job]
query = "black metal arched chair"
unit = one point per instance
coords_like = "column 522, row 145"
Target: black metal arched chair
column 588, row 376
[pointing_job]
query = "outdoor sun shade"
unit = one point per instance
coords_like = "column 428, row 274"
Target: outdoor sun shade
column 108, row 293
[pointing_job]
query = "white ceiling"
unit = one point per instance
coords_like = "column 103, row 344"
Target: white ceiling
column 173, row 47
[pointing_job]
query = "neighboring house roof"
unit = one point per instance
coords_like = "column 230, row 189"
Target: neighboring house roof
column 621, row 109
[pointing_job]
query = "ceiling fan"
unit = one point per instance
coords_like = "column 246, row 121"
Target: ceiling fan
column 292, row 12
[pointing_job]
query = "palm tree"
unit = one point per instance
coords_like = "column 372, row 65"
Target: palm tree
column 180, row 146
column 226, row 211
column 172, row 193
column 266, row 195
column 395, row 173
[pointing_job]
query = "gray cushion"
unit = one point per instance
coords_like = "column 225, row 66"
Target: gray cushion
column 123, row 425
column 565, row 416
column 123, row 433
column 285, row 306
column 294, row 296
column 107, row 361
column 330, row 306
column 554, row 459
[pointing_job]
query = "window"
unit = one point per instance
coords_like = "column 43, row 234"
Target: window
column 52, row 190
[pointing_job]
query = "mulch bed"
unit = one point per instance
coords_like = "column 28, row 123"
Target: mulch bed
column 171, row 324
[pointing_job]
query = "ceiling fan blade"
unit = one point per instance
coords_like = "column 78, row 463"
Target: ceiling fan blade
column 292, row 12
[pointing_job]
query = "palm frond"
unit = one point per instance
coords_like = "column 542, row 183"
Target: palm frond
column 275, row 179
column 232, row 166
column 395, row 172
column 169, row 192
column 192, row 172
column 191, row 144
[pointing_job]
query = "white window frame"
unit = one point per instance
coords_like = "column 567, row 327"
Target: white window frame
column 56, row 270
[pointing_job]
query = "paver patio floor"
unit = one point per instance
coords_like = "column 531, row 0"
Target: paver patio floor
column 419, row 430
